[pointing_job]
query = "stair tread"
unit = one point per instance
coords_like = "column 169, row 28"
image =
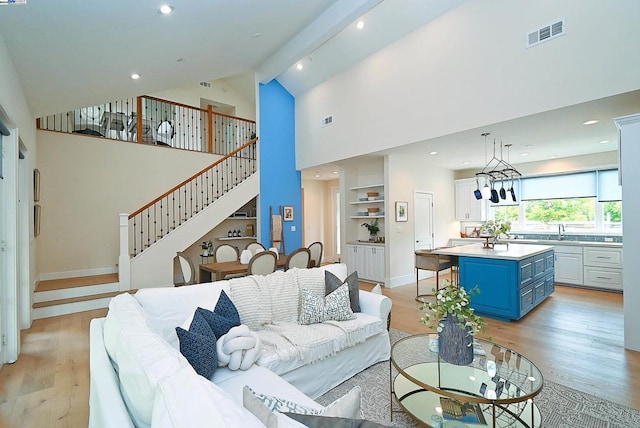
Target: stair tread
column 82, row 281
column 78, row 299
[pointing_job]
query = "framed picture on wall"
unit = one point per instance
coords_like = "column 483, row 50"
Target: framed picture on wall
column 402, row 209
column 287, row 213
column 36, row 185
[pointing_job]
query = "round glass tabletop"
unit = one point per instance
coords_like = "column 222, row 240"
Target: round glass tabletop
column 496, row 389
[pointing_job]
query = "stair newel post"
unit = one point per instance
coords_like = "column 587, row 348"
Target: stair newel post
column 139, row 120
column 210, row 129
column 124, row 261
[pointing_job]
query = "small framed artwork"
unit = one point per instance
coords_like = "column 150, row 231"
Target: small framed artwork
column 287, row 213
column 402, row 209
column 36, row 185
column 37, row 212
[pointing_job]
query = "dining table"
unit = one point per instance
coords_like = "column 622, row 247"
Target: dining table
column 219, row 270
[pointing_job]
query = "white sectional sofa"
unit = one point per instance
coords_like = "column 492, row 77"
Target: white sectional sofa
column 140, row 378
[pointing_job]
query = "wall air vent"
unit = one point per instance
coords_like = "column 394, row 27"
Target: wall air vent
column 546, row 33
column 205, row 84
column 327, row 121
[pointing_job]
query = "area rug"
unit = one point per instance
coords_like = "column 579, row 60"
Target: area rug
column 560, row 406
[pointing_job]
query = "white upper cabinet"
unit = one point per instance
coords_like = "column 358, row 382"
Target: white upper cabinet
column 468, row 208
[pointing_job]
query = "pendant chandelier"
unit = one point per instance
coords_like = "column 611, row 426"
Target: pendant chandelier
column 496, row 170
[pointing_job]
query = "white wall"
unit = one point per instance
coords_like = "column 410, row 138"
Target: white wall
column 407, row 174
column 225, row 91
column 467, row 69
column 86, row 182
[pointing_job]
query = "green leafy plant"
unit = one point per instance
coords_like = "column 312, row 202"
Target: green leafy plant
column 453, row 301
column 496, row 228
column 372, row 227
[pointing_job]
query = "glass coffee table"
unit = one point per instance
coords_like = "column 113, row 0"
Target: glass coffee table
column 495, row 390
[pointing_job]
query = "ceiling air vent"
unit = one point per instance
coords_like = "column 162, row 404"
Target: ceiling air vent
column 545, row 33
column 327, row 121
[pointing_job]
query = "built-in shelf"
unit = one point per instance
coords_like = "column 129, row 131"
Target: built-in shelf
column 367, row 202
column 236, row 238
column 367, row 216
column 370, row 186
column 241, row 218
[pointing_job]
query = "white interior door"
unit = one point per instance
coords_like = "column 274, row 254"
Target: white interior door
column 423, row 220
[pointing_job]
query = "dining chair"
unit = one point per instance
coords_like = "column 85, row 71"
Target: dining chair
column 262, row 263
column 186, row 268
column 298, row 258
column 255, row 247
column 316, row 254
column 226, row 253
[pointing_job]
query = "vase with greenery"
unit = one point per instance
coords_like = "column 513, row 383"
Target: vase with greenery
column 455, row 321
column 496, row 229
column 373, row 228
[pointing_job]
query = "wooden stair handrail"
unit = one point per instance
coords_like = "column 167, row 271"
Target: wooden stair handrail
column 204, row 110
column 173, row 189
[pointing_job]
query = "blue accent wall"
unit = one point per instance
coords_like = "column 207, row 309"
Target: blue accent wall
column 280, row 183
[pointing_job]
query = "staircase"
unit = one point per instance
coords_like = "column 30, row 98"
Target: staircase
column 65, row 296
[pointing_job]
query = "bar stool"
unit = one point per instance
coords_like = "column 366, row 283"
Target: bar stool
column 427, row 260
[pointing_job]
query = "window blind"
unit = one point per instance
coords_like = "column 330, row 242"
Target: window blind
column 608, row 187
column 576, row 185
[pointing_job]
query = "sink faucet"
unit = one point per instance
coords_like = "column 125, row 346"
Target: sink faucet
column 560, row 232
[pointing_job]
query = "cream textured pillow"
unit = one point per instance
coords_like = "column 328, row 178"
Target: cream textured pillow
column 335, row 306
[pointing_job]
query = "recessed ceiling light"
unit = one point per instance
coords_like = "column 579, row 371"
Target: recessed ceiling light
column 590, row 122
column 433, row 153
column 135, row 76
column 554, row 157
column 524, row 154
column 256, row 35
column 360, row 25
column 334, row 172
column 165, row 9
column 299, row 66
column 466, row 163
column 317, row 175
column 604, row 141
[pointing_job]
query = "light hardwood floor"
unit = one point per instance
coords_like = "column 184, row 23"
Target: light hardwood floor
column 575, row 337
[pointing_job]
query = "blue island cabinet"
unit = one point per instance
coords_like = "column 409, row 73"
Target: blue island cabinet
column 508, row 288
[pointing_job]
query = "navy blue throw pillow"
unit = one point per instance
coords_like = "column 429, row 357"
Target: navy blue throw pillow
column 198, row 345
column 224, row 316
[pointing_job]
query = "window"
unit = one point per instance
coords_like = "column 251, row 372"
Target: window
column 582, row 202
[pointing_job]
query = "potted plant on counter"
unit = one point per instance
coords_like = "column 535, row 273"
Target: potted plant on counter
column 455, row 322
column 496, row 229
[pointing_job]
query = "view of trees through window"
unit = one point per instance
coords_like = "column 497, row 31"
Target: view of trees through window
column 577, row 214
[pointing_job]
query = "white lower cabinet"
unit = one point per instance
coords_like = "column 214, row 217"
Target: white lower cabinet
column 603, row 267
column 568, row 265
column 367, row 260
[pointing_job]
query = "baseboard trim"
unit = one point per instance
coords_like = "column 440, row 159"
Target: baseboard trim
column 77, row 273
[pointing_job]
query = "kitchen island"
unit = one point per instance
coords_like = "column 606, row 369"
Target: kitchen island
column 513, row 278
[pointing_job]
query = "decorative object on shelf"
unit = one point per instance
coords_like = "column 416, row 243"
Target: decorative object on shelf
column 248, row 230
column 496, row 170
column 371, row 196
column 288, row 213
column 455, row 321
column 402, row 209
column 207, row 248
column 373, row 211
column 373, row 229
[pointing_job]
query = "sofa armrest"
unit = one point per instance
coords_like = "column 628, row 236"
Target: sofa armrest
column 106, row 407
column 375, row 304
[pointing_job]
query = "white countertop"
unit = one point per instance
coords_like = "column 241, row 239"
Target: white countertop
column 500, row 251
column 548, row 242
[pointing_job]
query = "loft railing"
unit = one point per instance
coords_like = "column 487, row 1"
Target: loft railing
column 166, row 212
column 153, row 120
